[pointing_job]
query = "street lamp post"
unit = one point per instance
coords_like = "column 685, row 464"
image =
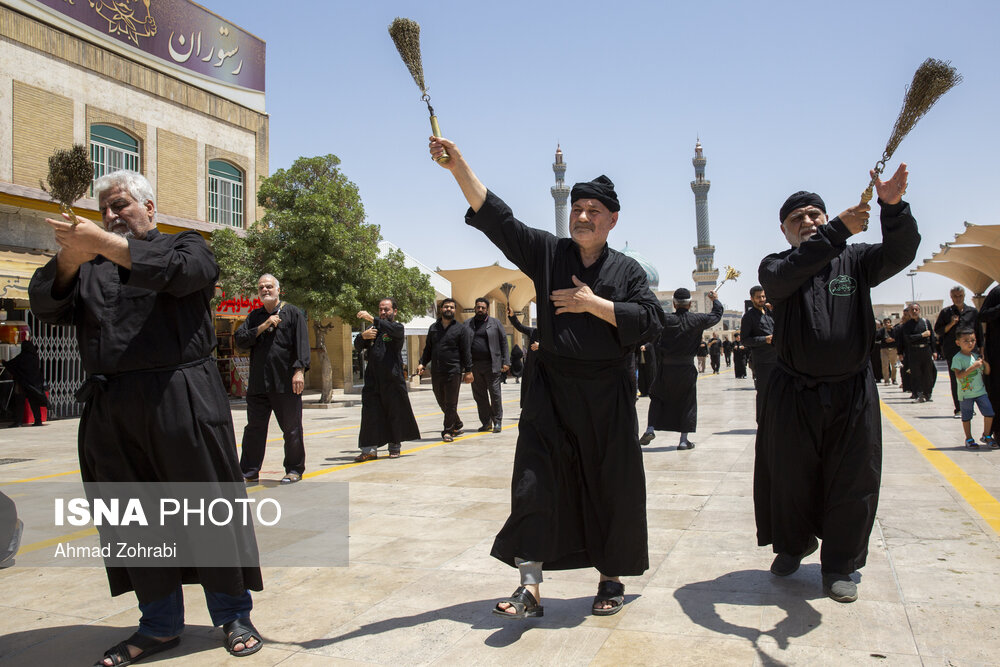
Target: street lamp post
column 913, row 294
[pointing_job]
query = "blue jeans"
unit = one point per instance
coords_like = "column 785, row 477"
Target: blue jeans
column 165, row 617
column 982, row 401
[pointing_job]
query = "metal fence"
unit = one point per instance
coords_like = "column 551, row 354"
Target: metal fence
column 62, row 367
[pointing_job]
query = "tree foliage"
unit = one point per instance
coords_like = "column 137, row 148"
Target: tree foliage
column 314, row 238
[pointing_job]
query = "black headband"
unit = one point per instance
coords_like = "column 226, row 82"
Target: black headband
column 601, row 189
column 798, row 200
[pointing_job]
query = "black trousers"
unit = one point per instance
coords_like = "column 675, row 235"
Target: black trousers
column 486, row 392
column 446, row 392
column 728, row 357
column 761, row 375
column 954, row 384
column 714, row 360
column 288, row 411
column 922, row 370
column 818, row 466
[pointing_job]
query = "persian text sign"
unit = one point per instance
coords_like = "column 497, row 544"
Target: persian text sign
column 178, row 32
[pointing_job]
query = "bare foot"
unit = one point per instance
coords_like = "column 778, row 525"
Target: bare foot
column 607, row 604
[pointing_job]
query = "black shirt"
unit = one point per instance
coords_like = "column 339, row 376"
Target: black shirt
column 551, row 263
column 757, row 324
column 682, row 335
column 276, row 353
column 480, row 341
column 448, row 350
column 824, row 324
column 968, row 318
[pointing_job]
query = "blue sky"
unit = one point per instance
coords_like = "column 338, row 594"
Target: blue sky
column 784, row 96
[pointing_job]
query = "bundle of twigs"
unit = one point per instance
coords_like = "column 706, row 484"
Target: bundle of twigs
column 405, row 35
column 70, row 175
column 932, row 79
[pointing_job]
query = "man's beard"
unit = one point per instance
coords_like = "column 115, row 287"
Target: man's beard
column 388, row 317
column 447, row 316
column 480, row 317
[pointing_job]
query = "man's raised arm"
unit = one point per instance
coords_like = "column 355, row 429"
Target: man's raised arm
column 472, row 187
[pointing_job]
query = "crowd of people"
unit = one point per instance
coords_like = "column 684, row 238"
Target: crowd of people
column 141, row 303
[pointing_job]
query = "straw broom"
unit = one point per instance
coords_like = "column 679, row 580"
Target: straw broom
column 70, row 175
column 405, row 34
column 932, row 79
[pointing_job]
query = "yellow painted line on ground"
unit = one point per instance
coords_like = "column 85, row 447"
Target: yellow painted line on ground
column 35, row 546
column 979, row 498
column 35, row 479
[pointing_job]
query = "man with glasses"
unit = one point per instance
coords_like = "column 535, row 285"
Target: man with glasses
column 819, row 442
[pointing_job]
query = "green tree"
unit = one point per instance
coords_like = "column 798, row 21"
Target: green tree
column 314, row 238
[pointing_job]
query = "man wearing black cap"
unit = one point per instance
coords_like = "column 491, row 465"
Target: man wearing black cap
column 757, row 331
column 673, row 399
column 578, row 492
column 819, row 442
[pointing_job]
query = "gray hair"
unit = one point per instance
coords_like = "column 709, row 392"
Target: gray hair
column 957, row 288
column 277, row 285
column 133, row 182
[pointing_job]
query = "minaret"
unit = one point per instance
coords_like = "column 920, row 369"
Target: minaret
column 560, row 193
column 705, row 274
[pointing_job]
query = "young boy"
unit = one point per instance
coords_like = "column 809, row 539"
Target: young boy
column 969, row 368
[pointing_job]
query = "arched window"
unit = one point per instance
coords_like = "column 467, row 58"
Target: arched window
column 225, row 194
column 112, row 149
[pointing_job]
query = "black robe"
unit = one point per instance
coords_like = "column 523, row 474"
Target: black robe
column 156, row 409
column 819, row 442
column 989, row 324
column 26, row 369
column 739, row 360
column 673, row 403
column 386, row 414
column 919, row 355
column 578, row 492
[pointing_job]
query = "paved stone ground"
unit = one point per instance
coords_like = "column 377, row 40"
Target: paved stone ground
column 421, row 583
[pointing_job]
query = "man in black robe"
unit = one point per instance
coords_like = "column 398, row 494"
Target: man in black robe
column 819, row 443
column 448, row 350
column 530, row 351
column 578, row 492
column 727, row 349
column 645, row 361
column 739, row 357
column 959, row 315
column 386, row 414
column 920, row 342
column 278, row 339
column 156, row 410
column 904, row 368
column 673, row 402
column 714, row 352
column 26, row 370
column 989, row 322
column 757, row 332
column 490, row 360
column 887, row 351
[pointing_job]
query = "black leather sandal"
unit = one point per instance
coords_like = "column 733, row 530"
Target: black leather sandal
column 609, row 591
column 524, row 603
column 147, row 646
column 241, row 631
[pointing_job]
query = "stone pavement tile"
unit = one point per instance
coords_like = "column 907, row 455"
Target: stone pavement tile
column 498, row 481
column 389, row 634
column 26, row 630
column 535, row 641
column 639, row 649
column 305, row 659
column 865, row 625
column 956, row 635
column 726, row 521
column 673, row 501
column 679, row 519
column 770, row 653
column 694, row 544
column 425, row 527
column 663, row 540
column 961, row 573
column 73, row 591
column 414, row 552
column 359, row 545
column 737, row 483
column 928, row 520
column 743, row 572
column 477, row 558
column 497, row 511
column 729, row 503
column 694, row 612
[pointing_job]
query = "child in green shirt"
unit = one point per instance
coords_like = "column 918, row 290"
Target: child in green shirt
column 969, row 368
